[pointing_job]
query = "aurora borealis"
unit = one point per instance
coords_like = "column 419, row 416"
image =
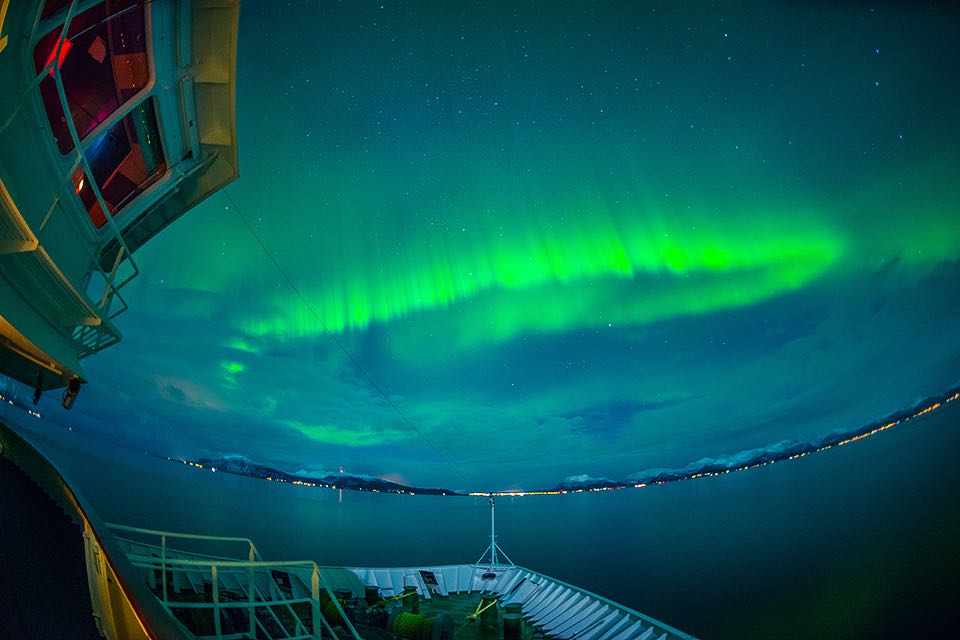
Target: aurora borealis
column 579, row 239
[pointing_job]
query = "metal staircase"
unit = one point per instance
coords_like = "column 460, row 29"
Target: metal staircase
column 229, row 597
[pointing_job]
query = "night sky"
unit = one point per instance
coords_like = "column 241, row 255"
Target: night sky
column 564, row 238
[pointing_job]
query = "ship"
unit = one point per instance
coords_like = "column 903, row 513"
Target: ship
column 116, row 118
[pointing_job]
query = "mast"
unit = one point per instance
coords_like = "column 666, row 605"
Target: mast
column 493, row 550
column 493, row 531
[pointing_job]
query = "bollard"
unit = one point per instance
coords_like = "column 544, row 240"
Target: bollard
column 513, row 621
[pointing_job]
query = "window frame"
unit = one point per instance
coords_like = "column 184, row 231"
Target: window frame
column 70, row 161
column 159, row 179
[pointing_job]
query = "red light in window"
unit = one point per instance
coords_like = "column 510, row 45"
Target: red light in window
column 80, row 185
column 64, row 50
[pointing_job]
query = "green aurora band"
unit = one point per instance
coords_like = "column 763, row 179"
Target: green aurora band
column 619, row 237
column 568, row 269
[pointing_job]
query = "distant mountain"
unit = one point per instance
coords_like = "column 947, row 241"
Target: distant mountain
column 751, row 458
column 583, row 481
column 740, row 461
column 240, row 465
column 244, row 466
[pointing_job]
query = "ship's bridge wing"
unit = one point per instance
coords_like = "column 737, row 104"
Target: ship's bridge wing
column 116, row 117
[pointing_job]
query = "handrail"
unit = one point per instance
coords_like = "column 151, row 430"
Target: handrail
column 252, row 554
column 173, row 534
column 238, row 604
column 164, row 562
column 94, row 260
column 153, row 562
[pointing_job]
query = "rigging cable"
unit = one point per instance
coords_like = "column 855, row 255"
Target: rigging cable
column 340, row 344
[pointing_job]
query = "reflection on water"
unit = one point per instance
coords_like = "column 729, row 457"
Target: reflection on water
column 860, row 541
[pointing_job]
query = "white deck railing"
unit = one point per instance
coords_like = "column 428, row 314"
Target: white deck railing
column 252, row 578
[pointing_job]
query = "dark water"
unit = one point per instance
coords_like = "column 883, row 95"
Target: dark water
column 858, row 542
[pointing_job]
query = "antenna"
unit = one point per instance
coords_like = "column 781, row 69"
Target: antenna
column 493, row 551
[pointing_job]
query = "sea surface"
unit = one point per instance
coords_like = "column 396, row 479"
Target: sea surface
column 862, row 541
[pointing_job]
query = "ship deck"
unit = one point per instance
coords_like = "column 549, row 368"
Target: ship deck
column 280, row 594
column 461, row 607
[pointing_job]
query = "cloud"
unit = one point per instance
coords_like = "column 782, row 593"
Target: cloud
column 347, row 435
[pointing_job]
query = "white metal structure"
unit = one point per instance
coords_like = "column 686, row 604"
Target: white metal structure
column 269, row 606
column 557, row 609
column 554, row 608
column 116, row 117
column 493, row 550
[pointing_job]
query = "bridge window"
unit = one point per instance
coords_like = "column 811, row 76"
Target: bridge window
column 125, row 160
column 103, row 63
